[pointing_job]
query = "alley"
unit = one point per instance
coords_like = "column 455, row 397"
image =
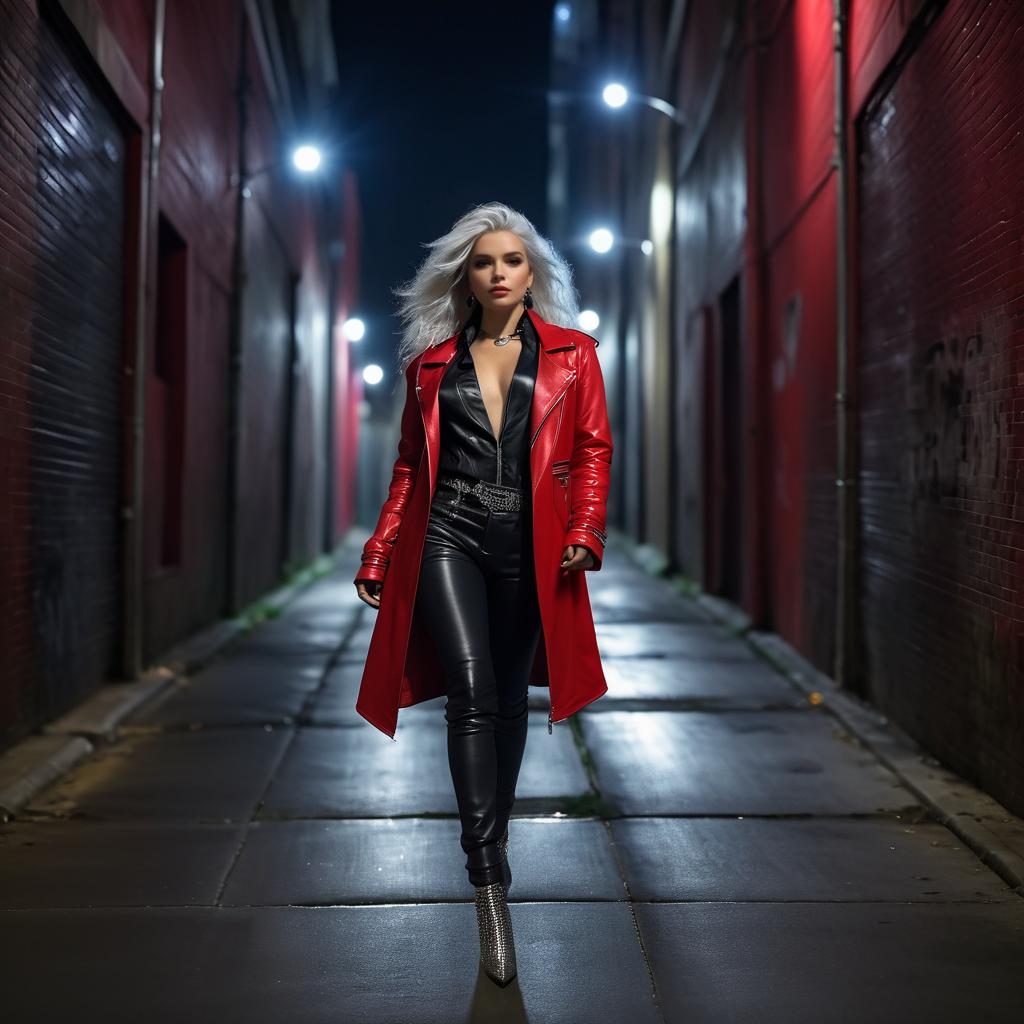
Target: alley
column 703, row 844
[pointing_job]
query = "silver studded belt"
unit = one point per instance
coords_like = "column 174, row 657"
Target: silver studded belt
column 496, row 497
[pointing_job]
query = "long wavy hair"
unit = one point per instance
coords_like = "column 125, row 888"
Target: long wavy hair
column 433, row 303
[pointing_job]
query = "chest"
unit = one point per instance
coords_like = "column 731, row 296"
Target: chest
column 488, row 391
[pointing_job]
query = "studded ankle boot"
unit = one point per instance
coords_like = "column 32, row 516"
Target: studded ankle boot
column 497, row 948
column 506, row 871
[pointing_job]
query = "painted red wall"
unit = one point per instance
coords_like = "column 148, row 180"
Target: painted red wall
column 934, row 279
column 796, row 195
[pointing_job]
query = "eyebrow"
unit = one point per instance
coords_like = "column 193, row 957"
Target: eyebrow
column 513, row 252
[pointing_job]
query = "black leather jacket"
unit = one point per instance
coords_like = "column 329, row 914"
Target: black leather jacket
column 468, row 445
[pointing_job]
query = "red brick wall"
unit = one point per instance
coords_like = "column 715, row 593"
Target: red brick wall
column 73, row 110
column 19, row 110
column 62, row 359
column 936, row 277
column 942, row 484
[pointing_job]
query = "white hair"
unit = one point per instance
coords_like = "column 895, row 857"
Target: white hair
column 433, row 303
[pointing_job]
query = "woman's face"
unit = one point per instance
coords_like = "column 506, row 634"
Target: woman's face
column 498, row 260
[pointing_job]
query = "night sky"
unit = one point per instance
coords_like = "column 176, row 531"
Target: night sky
column 442, row 107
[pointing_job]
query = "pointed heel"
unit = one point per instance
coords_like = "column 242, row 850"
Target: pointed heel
column 497, row 947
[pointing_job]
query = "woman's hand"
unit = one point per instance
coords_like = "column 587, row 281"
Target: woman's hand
column 576, row 556
column 369, row 592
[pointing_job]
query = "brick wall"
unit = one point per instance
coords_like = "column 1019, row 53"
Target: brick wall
column 942, row 483
column 74, row 104
column 62, row 261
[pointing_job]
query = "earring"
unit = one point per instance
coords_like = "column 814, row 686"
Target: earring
column 471, row 300
column 528, row 299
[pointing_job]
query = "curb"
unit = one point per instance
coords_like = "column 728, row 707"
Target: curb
column 58, row 746
column 992, row 832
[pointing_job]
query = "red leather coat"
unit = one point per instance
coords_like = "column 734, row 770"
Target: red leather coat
column 570, row 466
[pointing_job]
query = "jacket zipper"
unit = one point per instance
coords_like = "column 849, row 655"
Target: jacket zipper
column 501, row 427
column 554, row 405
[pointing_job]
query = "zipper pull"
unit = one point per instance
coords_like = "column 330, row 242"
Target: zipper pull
column 549, row 723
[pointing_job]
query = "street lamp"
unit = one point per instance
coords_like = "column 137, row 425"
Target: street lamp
column 353, row 329
column 305, row 158
column 616, row 95
column 602, row 240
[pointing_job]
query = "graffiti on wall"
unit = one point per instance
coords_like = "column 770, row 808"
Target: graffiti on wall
column 956, row 446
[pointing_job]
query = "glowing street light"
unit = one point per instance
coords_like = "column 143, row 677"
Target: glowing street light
column 601, row 240
column 615, row 94
column 372, row 373
column 306, row 158
column 353, row 329
column 588, row 320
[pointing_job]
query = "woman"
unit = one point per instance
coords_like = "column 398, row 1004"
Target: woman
column 496, row 507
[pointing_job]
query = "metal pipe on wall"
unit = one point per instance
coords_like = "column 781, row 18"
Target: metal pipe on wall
column 846, row 494
column 133, row 562
column 238, row 274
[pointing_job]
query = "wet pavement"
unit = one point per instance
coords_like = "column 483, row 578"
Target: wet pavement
column 703, row 844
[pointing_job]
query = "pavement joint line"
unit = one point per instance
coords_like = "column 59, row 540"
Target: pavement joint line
column 254, row 815
column 951, row 799
column 613, row 846
column 48, row 754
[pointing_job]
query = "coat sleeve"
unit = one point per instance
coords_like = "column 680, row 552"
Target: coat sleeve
column 376, row 554
column 590, row 465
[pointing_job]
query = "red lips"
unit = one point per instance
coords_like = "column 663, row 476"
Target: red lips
column 495, row 291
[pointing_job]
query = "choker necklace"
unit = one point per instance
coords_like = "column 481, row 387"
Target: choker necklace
column 506, row 338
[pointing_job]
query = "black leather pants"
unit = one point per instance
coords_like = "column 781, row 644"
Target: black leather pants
column 478, row 596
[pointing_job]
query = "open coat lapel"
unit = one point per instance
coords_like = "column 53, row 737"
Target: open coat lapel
column 553, row 379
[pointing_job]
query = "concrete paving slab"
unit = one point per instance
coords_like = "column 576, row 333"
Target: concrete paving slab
column 824, row 859
column 711, row 685
column 293, row 635
column 354, row 653
column 364, row 630
column 358, row 641
column 835, row 963
column 96, row 864
column 360, row 773
column 742, row 762
column 325, row 605
column 578, row 962
column 205, row 775
column 336, row 705
column 705, row 642
column 639, row 598
column 344, row 675
column 240, row 689
column 411, row 860
column 361, row 965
